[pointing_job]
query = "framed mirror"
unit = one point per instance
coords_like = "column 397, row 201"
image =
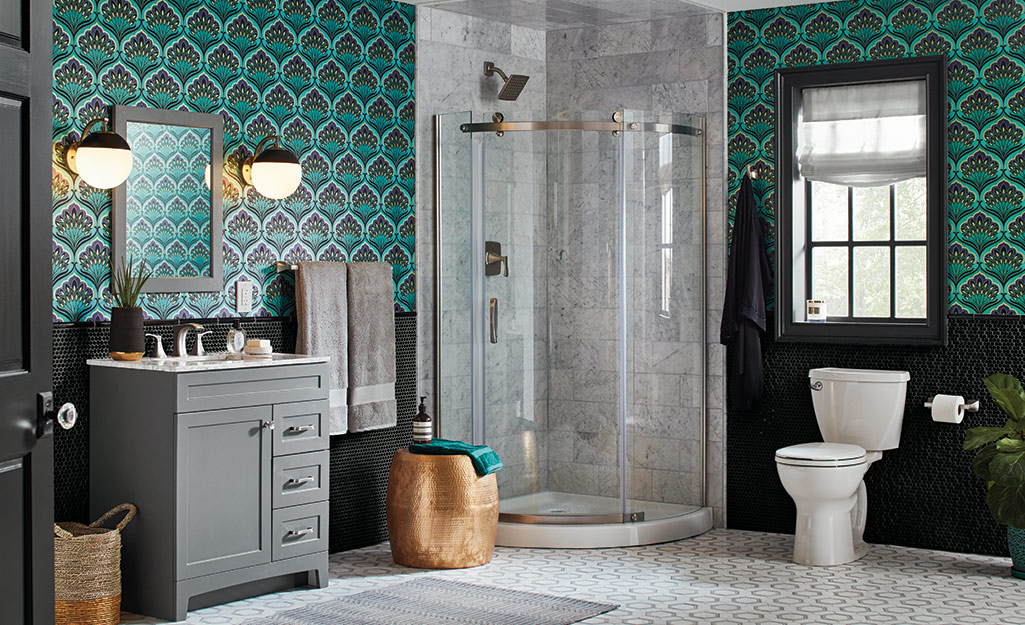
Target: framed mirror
column 169, row 213
column 861, row 225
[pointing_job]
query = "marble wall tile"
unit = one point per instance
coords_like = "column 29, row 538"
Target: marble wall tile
column 619, row 39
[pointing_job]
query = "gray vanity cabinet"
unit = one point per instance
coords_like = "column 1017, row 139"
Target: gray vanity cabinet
column 229, row 470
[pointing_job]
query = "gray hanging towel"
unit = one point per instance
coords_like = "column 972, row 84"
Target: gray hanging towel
column 321, row 304
column 371, row 322
column 748, row 278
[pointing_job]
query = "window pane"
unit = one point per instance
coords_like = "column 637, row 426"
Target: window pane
column 829, row 280
column 911, row 281
column 871, row 282
column 910, row 207
column 828, row 212
column 872, row 214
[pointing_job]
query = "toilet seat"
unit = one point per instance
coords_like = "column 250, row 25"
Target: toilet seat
column 825, row 455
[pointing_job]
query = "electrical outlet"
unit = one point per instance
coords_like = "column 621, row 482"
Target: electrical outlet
column 243, row 296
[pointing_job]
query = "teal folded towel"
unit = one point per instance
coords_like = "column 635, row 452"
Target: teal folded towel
column 484, row 458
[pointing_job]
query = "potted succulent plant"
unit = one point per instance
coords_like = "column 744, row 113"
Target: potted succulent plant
column 1000, row 461
column 127, row 336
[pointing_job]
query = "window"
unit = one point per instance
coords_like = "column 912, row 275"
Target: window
column 861, row 221
column 868, row 251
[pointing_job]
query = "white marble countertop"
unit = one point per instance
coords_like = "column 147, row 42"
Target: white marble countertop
column 220, row 360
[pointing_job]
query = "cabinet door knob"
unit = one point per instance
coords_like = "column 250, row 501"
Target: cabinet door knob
column 269, row 425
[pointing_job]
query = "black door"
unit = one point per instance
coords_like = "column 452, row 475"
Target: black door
column 26, row 449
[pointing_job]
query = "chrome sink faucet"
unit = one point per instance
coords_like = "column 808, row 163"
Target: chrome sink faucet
column 181, row 333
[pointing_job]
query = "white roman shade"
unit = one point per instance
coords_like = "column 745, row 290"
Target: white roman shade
column 863, row 135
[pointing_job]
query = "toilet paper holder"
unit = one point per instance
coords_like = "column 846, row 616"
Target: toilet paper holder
column 970, row 405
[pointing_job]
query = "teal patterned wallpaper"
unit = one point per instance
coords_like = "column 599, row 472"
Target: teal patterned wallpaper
column 333, row 77
column 984, row 41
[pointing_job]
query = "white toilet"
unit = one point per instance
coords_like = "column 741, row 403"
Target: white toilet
column 860, row 413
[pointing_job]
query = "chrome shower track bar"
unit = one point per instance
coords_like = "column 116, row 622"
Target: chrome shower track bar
column 610, row 126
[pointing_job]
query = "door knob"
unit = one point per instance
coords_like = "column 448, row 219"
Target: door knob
column 66, row 415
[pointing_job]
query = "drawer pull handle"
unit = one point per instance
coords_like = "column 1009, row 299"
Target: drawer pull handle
column 298, row 429
column 299, row 533
column 299, row 481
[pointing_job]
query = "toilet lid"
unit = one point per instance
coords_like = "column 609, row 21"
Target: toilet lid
column 821, row 455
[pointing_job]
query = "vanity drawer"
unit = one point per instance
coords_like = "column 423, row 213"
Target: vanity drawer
column 300, row 479
column 299, row 530
column 300, row 427
column 255, row 386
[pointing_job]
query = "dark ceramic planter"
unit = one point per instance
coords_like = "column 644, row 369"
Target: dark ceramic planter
column 127, row 336
column 1016, row 544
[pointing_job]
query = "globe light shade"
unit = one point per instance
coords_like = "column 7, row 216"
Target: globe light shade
column 103, row 160
column 276, row 173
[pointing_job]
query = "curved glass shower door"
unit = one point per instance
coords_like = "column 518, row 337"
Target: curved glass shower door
column 552, row 381
column 571, row 309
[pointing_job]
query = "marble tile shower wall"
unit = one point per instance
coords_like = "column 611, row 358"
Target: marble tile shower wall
column 673, row 65
column 451, row 52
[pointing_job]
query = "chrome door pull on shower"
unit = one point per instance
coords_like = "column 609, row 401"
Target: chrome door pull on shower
column 494, row 319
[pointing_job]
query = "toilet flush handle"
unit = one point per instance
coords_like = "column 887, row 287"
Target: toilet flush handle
column 816, row 385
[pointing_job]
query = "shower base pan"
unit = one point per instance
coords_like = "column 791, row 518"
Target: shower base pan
column 546, row 520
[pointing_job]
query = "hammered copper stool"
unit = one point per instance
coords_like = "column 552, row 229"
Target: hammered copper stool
column 441, row 514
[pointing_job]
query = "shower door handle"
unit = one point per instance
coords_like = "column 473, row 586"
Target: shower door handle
column 494, row 319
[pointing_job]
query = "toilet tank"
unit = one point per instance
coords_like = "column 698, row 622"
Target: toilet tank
column 862, row 407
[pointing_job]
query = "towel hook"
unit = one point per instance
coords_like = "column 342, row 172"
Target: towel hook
column 752, row 173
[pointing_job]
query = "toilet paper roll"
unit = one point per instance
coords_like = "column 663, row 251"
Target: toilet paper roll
column 948, row 408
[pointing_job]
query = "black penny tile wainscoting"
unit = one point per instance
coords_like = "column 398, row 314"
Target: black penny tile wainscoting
column 922, row 494
column 359, row 461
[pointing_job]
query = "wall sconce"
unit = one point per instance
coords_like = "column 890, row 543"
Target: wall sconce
column 274, row 171
column 102, row 158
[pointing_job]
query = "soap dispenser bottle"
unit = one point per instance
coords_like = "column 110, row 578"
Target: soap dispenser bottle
column 236, row 338
column 422, row 425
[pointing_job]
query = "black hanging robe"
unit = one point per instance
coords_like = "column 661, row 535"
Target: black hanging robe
column 743, row 318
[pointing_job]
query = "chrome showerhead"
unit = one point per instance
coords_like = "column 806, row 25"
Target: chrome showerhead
column 513, row 84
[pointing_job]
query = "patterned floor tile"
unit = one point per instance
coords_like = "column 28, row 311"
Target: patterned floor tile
column 719, row 578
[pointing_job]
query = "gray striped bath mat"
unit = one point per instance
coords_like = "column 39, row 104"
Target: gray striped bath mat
column 433, row 601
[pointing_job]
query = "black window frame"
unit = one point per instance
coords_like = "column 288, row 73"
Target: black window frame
column 793, row 191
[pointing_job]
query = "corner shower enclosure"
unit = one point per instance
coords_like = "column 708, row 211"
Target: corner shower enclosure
column 570, row 316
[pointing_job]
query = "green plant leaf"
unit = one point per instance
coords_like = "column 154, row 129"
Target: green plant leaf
column 1007, row 504
column 1008, row 394
column 1008, row 468
column 980, row 464
column 1010, row 445
column 977, row 437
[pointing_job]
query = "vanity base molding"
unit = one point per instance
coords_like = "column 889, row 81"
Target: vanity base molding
column 203, row 592
column 229, row 470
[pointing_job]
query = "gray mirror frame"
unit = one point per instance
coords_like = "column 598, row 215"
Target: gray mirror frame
column 119, row 234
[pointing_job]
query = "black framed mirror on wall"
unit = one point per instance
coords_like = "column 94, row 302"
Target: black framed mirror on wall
column 861, row 224
column 168, row 214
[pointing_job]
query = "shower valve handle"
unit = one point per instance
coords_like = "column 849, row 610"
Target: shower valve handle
column 492, row 257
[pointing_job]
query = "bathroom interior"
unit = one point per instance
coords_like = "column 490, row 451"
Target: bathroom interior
column 715, row 308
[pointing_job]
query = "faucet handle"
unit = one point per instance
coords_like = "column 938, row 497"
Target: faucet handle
column 158, row 351
column 199, row 341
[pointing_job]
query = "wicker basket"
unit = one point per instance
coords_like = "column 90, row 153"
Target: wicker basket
column 87, row 570
column 441, row 514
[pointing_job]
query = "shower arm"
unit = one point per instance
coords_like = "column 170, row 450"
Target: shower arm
column 491, row 70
